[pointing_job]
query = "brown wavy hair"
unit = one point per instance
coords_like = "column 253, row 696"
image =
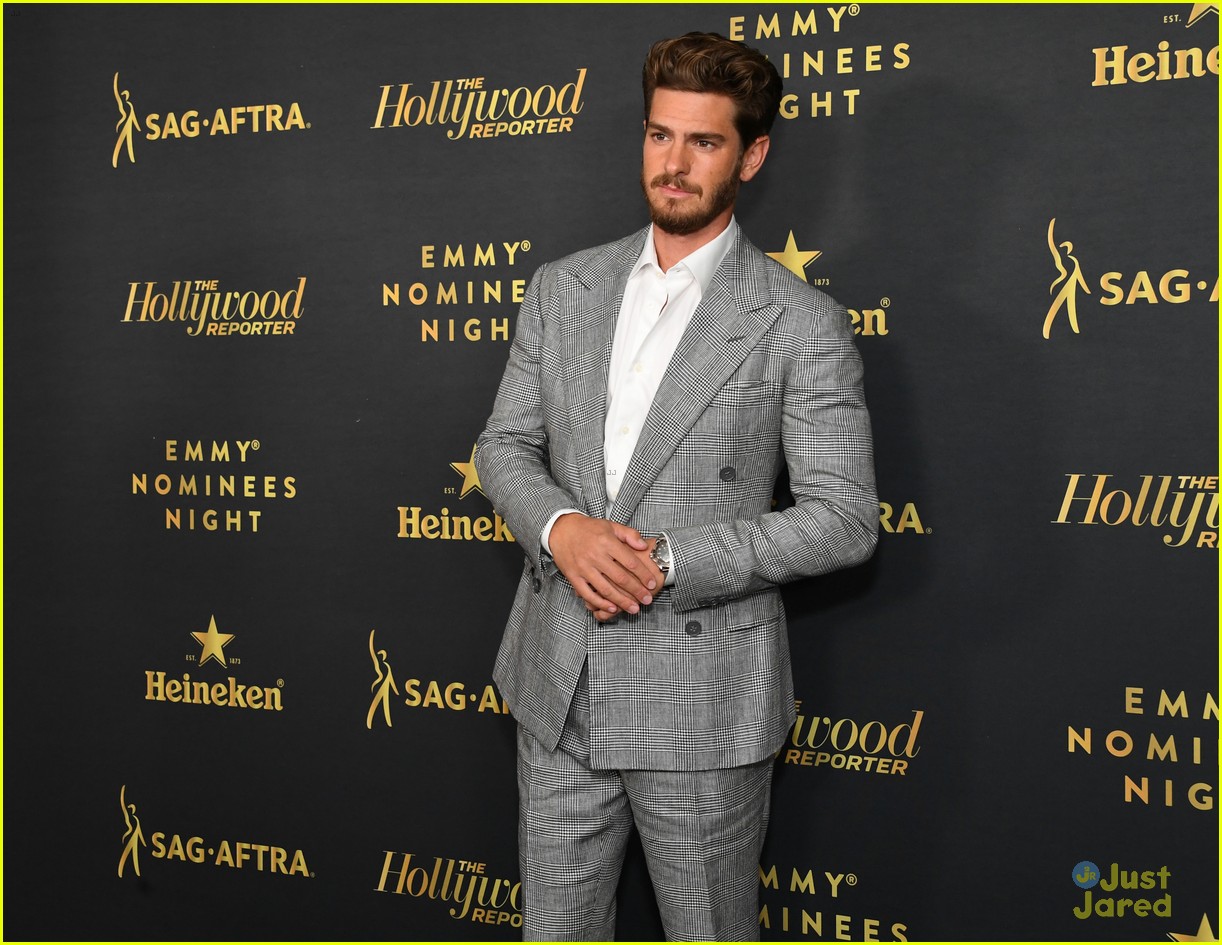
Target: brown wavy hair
column 708, row 62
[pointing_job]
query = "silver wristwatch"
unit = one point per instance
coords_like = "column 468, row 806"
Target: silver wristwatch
column 661, row 554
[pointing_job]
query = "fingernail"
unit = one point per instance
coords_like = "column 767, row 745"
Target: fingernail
column 652, row 585
column 647, row 599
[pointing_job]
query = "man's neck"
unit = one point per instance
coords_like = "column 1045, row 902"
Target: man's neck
column 672, row 248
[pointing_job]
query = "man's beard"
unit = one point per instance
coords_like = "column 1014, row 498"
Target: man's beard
column 669, row 214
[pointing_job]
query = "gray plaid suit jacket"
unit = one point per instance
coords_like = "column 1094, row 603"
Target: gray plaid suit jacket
column 766, row 374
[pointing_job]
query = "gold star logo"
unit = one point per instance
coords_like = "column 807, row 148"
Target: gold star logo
column 213, row 643
column 470, row 478
column 794, row 259
column 1205, row 933
column 1199, row 10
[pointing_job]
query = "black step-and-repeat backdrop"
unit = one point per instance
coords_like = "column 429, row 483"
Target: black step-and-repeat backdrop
column 262, row 266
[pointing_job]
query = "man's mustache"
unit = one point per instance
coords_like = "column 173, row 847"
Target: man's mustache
column 678, row 183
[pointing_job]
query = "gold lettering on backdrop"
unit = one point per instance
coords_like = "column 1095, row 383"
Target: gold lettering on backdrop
column 1174, row 286
column 867, row 322
column 203, row 309
column 1193, row 508
column 184, row 689
column 225, row 121
column 770, row 30
column 872, row 747
column 233, row 854
column 1116, row 65
column 414, row 524
column 193, row 123
column 1192, row 755
column 476, row 896
column 473, row 111
column 212, row 485
column 786, row 894
column 469, row 292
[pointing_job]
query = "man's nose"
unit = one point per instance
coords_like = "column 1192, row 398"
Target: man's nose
column 676, row 159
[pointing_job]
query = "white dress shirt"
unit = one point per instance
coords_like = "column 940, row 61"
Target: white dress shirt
column 653, row 315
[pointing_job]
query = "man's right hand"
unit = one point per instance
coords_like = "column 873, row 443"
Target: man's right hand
column 603, row 562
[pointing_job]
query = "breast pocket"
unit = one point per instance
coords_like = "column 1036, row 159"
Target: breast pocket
column 741, row 408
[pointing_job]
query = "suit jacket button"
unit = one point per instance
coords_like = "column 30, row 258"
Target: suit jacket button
column 727, row 474
column 693, row 628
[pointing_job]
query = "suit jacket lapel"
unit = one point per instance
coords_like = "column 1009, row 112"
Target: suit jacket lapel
column 732, row 316
column 589, row 330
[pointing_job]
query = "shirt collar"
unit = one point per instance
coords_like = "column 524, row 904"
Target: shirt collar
column 702, row 264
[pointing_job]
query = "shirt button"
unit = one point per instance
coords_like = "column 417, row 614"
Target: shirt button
column 638, row 368
column 623, row 430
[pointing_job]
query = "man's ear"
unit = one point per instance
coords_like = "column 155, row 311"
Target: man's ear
column 753, row 157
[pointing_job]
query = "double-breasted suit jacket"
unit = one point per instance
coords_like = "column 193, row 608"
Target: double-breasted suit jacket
column 765, row 376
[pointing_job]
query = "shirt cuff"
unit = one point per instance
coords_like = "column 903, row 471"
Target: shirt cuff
column 547, row 528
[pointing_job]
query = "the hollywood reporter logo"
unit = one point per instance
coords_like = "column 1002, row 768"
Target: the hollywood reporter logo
column 1184, row 507
column 203, row 307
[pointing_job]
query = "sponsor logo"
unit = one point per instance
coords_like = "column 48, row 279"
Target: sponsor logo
column 201, row 307
column 1184, row 508
column 872, row 747
column 1118, row 65
column 476, row 108
column 796, row 260
column 867, row 322
column 227, row 693
column 196, row 122
column 898, row 519
column 1172, row 286
column 246, row 855
column 424, row 693
column 1199, row 10
column 415, row 523
column 133, row 835
column 473, row 894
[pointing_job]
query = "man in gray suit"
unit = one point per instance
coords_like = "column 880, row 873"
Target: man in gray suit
column 656, row 388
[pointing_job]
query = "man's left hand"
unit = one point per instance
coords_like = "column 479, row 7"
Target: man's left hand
column 604, row 615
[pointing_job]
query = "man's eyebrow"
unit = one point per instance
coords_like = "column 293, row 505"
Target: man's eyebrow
column 698, row 135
